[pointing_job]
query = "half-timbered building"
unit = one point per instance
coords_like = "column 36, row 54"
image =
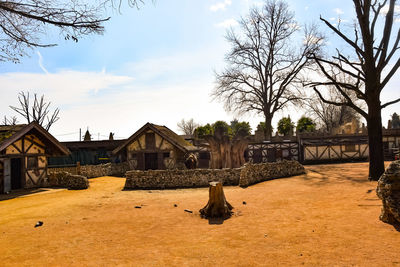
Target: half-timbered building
column 155, row 147
column 24, row 150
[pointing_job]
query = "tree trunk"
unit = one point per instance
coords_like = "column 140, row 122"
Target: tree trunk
column 215, row 161
column 376, row 158
column 217, row 206
column 268, row 127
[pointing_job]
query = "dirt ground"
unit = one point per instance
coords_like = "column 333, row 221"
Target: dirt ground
column 327, row 217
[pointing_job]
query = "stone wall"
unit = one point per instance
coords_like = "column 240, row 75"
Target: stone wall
column 388, row 190
column 91, row 171
column 161, row 179
column 66, row 180
column 245, row 176
column 255, row 173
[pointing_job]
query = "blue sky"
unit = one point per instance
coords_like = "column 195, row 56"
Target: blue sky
column 154, row 64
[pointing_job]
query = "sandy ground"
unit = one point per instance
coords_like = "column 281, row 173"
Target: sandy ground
column 327, row 217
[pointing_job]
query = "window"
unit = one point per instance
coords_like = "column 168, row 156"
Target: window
column 166, row 155
column 32, row 163
column 350, row 148
column 134, row 156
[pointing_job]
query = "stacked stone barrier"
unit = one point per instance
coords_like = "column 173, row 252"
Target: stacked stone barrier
column 91, row 171
column 163, row 179
column 255, row 173
column 247, row 175
column 388, row 190
column 67, row 180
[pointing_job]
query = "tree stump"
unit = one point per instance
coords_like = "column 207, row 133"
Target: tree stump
column 217, row 206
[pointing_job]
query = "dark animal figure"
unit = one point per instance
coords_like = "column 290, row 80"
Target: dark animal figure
column 191, row 161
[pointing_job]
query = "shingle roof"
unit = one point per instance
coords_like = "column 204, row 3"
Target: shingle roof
column 163, row 131
column 7, row 131
column 10, row 134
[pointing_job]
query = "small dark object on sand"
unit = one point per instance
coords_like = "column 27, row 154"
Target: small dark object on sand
column 39, row 223
column 189, row 211
column 369, row 191
column 244, row 203
column 175, row 205
column 138, row 207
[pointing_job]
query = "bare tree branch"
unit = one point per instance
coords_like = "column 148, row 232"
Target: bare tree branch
column 24, row 22
column 40, row 110
column 264, row 62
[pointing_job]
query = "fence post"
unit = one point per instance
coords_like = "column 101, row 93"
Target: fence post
column 78, row 168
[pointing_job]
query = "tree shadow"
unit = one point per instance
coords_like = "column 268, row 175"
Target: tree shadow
column 216, row 220
column 21, row 192
column 319, row 175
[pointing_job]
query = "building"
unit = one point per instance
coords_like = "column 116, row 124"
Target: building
column 24, row 150
column 155, row 147
column 88, row 153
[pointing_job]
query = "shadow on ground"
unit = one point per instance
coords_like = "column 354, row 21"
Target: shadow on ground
column 320, row 175
column 21, row 192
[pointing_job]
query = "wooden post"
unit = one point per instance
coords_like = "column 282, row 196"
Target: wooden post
column 217, row 206
column 78, row 168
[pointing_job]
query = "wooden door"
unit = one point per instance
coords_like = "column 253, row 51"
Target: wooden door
column 150, row 161
column 16, row 173
column 7, row 176
column 271, row 154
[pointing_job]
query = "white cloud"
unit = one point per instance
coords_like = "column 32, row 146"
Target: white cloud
column 385, row 9
column 332, row 18
column 107, row 102
column 306, row 8
column 227, row 23
column 220, row 5
column 338, row 11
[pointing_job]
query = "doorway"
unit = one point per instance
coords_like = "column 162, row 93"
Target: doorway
column 16, row 171
column 150, row 161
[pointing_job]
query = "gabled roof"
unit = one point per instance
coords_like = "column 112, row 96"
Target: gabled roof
column 162, row 131
column 12, row 133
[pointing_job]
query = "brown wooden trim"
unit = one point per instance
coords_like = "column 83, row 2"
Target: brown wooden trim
column 19, row 150
column 36, row 143
column 30, row 178
column 334, row 151
column 161, row 143
column 323, row 152
column 38, row 168
column 309, row 151
column 40, row 177
column 29, row 147
column 140, row 145
column 365, row 150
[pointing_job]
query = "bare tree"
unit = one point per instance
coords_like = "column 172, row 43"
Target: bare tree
column 371, row 62
column 22, row 22
column 9, row 121
column 187, row 127
column 264, row 62
column 37, row 111
column 331, row 116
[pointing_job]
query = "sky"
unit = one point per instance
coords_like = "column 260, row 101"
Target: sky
column 153, row 64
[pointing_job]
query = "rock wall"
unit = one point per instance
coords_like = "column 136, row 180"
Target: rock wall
column 161, row 179
column 388, row 190
column 91, row 171
column 255, row 173
column 245, row 176
column 67, row 180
